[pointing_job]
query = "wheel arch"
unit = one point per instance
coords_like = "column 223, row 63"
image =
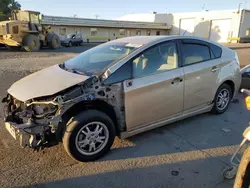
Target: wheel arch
column 83, row 106
column 231, row 85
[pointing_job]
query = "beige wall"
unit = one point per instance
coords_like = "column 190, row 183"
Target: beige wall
column 103, row 34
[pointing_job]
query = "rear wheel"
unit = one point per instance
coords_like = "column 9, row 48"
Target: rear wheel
column 81, row 43
column 89, row 135
column 222, row 99
column 55, row 42
column 31, row 43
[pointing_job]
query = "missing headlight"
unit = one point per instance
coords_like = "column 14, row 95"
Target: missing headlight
column 42, row 110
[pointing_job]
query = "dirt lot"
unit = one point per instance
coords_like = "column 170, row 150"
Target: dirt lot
column 189, row 153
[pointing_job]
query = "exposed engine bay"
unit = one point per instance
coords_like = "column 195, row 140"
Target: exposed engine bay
column 37, row 122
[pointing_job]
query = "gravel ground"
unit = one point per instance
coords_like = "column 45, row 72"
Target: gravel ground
column 189, row 153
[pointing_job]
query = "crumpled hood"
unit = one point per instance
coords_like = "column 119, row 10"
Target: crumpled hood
column 45, row 82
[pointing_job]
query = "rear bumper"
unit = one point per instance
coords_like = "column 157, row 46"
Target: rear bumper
column 8, row 40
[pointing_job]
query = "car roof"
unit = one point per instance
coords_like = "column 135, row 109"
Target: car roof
column 140, row 39
column 143, row 40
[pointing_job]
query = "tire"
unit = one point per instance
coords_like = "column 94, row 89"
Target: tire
column 217, row 109
column 76, row 132
column 70, row 44
column 55, row 42
column 81, row 43
column 31, row 43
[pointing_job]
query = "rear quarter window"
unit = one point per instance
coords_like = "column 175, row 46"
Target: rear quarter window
column 194, row 53
column 216, row 50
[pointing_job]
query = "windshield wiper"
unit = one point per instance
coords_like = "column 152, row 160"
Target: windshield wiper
column 74, row 70
column 62, row 66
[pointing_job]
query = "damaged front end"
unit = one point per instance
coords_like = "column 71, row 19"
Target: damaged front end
column 39, row 122
column 30, row 124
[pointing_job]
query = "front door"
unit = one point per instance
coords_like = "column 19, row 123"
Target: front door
column 201, row 71
column 156, row 90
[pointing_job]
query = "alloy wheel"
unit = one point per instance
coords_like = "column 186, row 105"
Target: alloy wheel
column 223, row 99
column 92, row 138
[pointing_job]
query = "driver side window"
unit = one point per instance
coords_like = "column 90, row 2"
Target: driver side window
column 157, row 59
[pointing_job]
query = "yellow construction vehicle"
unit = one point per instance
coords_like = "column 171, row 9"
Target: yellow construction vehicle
column 24, row 30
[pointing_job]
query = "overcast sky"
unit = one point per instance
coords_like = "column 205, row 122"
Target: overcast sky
column 110, row 9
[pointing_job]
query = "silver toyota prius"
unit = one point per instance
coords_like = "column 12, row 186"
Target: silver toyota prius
column 120, row 88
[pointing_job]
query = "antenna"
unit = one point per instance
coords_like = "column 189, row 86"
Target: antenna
column 184, row 33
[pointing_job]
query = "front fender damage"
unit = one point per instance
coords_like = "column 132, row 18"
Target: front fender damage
column 37, row 121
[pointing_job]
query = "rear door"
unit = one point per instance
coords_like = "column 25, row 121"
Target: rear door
column 201, row 70
column 156, row 90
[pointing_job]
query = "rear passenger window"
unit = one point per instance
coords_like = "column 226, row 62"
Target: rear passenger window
column 216, row 51
column 194, row 53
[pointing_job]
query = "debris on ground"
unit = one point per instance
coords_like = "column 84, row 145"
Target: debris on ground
column 226, row 130
column 175, row 173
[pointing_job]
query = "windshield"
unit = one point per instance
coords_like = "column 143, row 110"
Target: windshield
column 22, row 16
column 69, row 35
column 99, row 58
column 34, row 18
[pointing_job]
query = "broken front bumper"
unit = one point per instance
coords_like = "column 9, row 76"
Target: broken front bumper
column 22, row 133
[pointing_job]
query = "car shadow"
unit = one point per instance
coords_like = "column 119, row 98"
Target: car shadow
column 161, row 172
column 188, row 153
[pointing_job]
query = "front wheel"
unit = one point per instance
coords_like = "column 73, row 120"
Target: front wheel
column 89, row 135
column 31, row 43
column 222, row 99
column 70, row 44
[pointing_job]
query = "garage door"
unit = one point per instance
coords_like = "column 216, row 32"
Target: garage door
column 187, row 27
column 220, row 30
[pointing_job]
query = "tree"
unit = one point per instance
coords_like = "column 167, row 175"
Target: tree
column 6, row 6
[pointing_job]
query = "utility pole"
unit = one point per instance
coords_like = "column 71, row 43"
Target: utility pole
column 203, row 7
column 244, row 11
column 96, row 16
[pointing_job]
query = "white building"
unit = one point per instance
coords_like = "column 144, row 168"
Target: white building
column 220, row 26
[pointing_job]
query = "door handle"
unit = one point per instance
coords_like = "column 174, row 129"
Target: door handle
column 214, row 69
column 176, row 80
